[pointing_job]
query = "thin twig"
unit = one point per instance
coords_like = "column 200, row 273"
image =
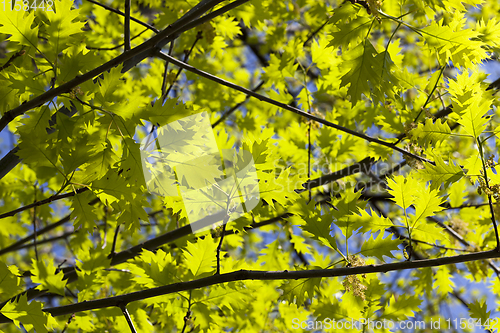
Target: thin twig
column 11, row 59
column 116, row 11
column 467, row 205
column 419, row 256
column 436, row 246
column 115, row 237
column 165, row 73
column 117, row 46
column 151, row 244
column 219, row 247
column 47, row 240
column 315, row 32
column 309, row 146
column 486, row 181
column 123, row 307
column 361, row 166
column 186, row 57
column 234, row 108
column 34, row 229
column 43, row 202
column 126, row 26
column 68, row 322
column 18, row 244
column 260, row 97
column 187, row 317
column 451, row 232
column 299, row 254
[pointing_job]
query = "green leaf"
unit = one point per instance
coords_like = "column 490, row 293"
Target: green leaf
column 86, row 217
column 92, row 260
column 280, row 189
column 102, row 158
column 349, row 308
column 233, row 295
column 431, row 133
column 30, row 315
column 351, row 32
column 19, row 24
column 458, row 4
column 441, row 173
column 64, row 22
column 133, row 212
column 428, row 232
column 316, row 224
column 401, row 188
column 348, row 205
column 131, row 163
column 200, row 257
column 154, row 269
column 294, row 291
column 473, row 119
column 108, row 86
column 111, row 188
column 272, row 256
column 427, row 203
column 167, row 113
column 84, row 322
column 478, row 310
column 369, row 221
column 260, row 152
column 455, row 43
column 9, row 280
column 360, row 66
column 402, row 308
column 443, row 281
column 44, row 272
column 227, row 27
column 380, row 247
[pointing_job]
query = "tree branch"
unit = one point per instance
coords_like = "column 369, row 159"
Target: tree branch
column 43, row 202
column 260, row 97
column 111, row 9
column 126, row 27
column 123, row 307
column 11, row 59
column 243, row 275
column 231, row 110
column 190, row 20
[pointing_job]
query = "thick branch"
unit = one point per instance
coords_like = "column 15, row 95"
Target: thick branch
column 243, row 275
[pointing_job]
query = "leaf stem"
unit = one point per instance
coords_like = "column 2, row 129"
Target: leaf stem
column 485, row 177
column 431, row 93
